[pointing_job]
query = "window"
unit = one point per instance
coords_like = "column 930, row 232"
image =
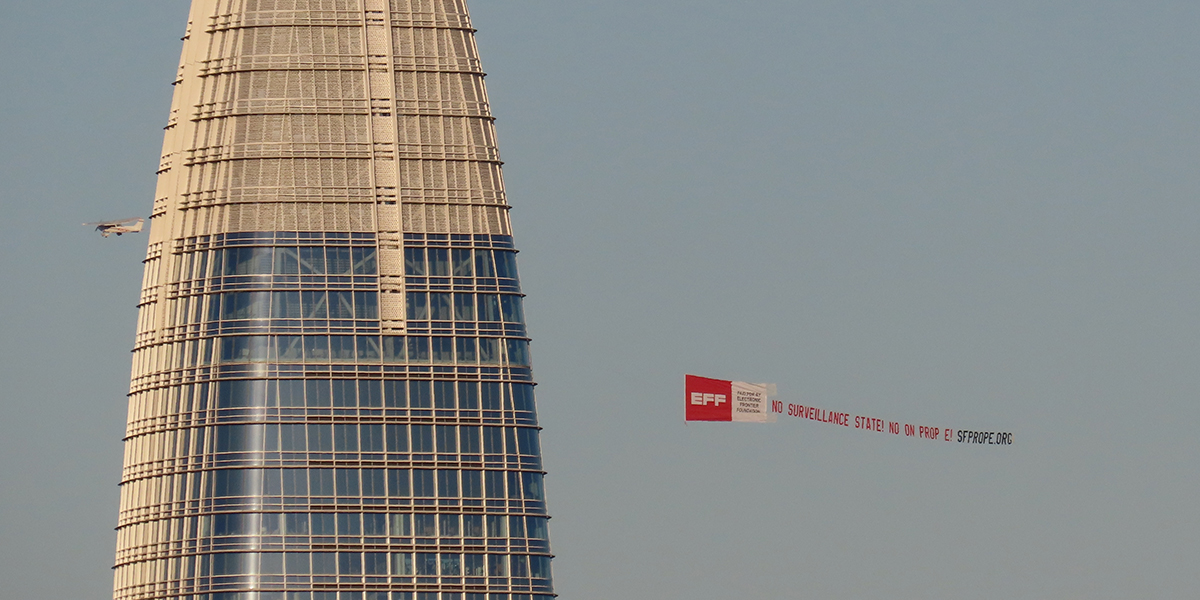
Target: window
column 439, row 262
column 418, row 307
column 364, row 261
column 414, row 261
column 463, row 263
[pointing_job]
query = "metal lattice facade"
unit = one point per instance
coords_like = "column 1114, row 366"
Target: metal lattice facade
column 331, row 396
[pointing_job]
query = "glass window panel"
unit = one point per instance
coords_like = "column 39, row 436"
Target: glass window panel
column 439, row 262
column 370, row 393
column 345, row 437
column 371, row 437
column 464, row 307
column 418, row 306
column 522, row 397
column 393, row 350
column 341, row 305
column 366, row 305
column 375, row 524
column 506, row 264
column 490, row 395
column 512, row 309
column 448, row 526
column 538, row 528
column 235, row 259
column 314, row 305
column 425, row 525
column 518, row 352
column 423, row 483
column 324, row 563
column 349, row 524
column 539, row 568
column 400, row 525
column 375, row 563
column 473, row 565
column 532, row 483
column 489, row 351
column 316, row 348
column 463, row 263
column 497, row 565
column 349, row 563
column 373, row 483
column 214, row 308
column 450, row 564
column 469, row 439
column 347, row 483
column 295, row 524
column 420, row 394
column 324, row 524
column 364, row 261
column 218, row 259
column 527, row 439
column 239, row 438
column 468, row 395
column 291, row 392
column 287, row 261
column 484, row 267
column 345, row 393
column 520, row 565
column 312, row 260
column 516, row 526
column 292, row 438
column 341, row 347
column 440, row 308
column 493, row 487
column 443, row 349
column 427, row 564
column 464, row 348
column 295, row 482
column 414, row 261
column 472, row 524
column 422, row 439
column 320, row 481
column 397, row 438
column 245, row 393
column 398, row 484
column 261, row 261
column 443, row 394
column 493, row 439
column 402, row 564
column 489, row 307
column 337, row 261
column 447, row 481
column 320, row 437
column 418, row 349
column 472, row 484
column 447, row 439
column 290, row 347
column 285, row 305
column 317, row 393
column 226, row 525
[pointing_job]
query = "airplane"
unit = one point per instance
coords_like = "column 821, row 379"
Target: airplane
column 120, row 227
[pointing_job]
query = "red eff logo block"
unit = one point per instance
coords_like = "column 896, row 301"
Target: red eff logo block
column 708, row 399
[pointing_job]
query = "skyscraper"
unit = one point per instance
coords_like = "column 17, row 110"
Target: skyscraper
column 331, row 395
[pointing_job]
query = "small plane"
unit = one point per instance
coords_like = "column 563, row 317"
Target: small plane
column 120, row 227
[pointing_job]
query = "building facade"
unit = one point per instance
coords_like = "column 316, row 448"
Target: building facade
column 331, row 395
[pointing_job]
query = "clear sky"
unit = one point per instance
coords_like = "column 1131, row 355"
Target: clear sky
column 969, row 214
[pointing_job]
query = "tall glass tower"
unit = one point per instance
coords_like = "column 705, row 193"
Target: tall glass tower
column 331, row 395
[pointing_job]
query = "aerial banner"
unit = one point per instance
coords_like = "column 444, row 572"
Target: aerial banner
column 737, row 401
column 720, row 400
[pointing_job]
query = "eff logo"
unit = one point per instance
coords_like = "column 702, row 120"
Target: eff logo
column 708, row 399
column 702, row 399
